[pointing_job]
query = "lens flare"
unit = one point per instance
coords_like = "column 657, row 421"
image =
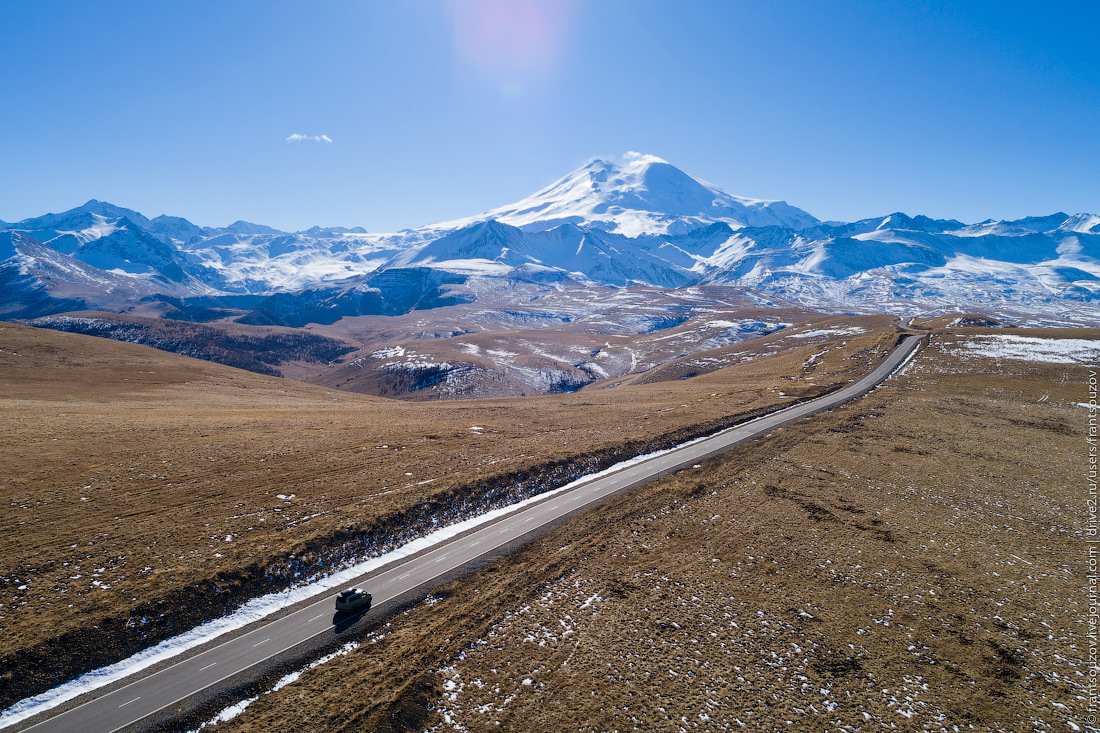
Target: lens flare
column 509, row 37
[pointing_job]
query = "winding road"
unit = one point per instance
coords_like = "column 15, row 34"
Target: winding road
column 154, row 692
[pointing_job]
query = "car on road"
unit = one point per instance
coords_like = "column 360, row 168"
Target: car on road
column 352, row 600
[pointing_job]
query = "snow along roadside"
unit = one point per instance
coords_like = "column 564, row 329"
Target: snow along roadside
column 231, row 711
column 259, row 608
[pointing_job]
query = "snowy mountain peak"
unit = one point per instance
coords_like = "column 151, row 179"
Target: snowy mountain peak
column 640, row 194
column 246, row 227
column 110, row 211
column 1083, row 223
column 631, row 220
column 919, row 223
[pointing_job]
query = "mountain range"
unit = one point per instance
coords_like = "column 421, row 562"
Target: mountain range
column 637, row 221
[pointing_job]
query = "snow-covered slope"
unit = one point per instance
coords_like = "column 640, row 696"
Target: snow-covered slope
column 130, row 249
column 80, row 217
column 641, row 194
column 637, row 221
column 1010, row 269
column 175, row 229
column 280, row 262
column 38, row 280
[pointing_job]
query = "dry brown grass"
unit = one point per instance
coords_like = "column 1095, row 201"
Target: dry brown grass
column 909, row 562
column 131, row 473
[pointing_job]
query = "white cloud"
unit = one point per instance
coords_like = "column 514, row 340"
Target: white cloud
column 298, row 137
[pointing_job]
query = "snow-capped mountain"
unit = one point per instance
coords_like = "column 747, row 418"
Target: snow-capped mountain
column 1010, row 270
column 36, row 280
column 86, row 217
column 640, row 221
column 895, row 263
column 129, row 248
column 641, row 194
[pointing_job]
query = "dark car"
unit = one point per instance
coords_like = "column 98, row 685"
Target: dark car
column 352, row 600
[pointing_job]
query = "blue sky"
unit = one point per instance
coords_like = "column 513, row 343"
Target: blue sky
column 438, row 109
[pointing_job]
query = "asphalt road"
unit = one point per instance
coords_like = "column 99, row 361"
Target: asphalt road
column 154, row 692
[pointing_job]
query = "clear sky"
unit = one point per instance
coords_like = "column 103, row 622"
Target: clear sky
column 410, row 112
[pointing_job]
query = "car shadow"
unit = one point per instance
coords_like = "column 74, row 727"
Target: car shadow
column 342, row 621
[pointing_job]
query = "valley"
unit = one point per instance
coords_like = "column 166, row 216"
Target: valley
column 148, row 491
column 402, row 383
column 549, row 365
column 397, row 384
column 910, row 561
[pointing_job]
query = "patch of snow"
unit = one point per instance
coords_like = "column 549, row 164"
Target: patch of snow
column 809, row 362
column 1032, row 348
column 473, row 266
column 232, row 711
column 416, row 366
column 388, row 353
column 849, row 331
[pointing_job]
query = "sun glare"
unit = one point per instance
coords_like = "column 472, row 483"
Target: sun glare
column 509, row 38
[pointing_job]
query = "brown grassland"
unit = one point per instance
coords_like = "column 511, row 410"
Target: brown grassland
column 911, row 561
column 144, row 491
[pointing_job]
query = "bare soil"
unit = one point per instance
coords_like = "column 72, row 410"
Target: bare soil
column 912, row 561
